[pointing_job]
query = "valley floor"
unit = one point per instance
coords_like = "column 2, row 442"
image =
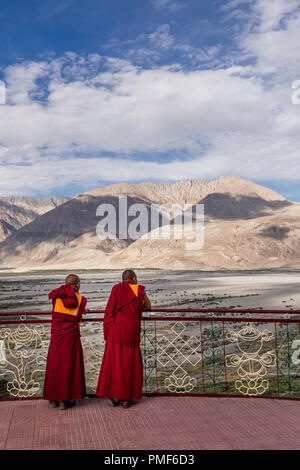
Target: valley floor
column 182, row 289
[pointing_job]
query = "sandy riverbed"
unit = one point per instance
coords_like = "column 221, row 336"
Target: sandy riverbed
column 194, row 289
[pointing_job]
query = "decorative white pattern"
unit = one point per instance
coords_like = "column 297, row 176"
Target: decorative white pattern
column 252, row 364
column 24, row 360
column 174, row 350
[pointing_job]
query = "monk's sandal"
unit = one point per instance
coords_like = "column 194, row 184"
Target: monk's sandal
column 114, row 401
column 65, row 405
column 125, row 404
column 53, row 404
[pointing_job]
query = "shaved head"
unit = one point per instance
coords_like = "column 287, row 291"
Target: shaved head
column 72, row 280
column 128, row 275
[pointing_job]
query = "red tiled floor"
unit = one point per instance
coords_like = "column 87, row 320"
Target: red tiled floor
column 2, row 444
column 154, row 423
column 23, row 443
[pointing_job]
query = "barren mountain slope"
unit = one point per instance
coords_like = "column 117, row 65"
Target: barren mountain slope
column 247, row 226
column 15, row 212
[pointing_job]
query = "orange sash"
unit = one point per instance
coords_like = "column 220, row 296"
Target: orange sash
column 60, row 308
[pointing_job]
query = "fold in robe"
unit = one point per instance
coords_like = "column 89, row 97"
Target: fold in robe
column 121, row 373
column 65, row 378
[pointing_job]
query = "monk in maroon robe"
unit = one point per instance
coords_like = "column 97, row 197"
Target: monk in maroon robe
column 65, row 379
column 121, row 374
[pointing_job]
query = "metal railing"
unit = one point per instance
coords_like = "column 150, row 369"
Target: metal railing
column 218, row 352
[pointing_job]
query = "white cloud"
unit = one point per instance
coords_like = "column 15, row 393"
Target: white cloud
column 162, row 37
column 170, row 4
column 269, row 33
column 161, row 42
column 127, row 109
column 21, row 79
column 272, row 12
column 156, row 47
column 277, row 50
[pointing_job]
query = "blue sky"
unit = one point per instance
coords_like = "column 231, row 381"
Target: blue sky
column 99, row 92
column 32, row 28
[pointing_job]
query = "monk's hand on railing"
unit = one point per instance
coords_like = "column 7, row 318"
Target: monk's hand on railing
column 86, row 310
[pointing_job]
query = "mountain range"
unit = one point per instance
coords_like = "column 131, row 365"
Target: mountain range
column 247, row 226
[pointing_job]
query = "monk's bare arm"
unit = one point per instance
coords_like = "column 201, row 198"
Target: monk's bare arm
column 147, row 304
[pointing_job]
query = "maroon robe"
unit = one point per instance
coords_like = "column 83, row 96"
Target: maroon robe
column 65, row 379
column 121, row 374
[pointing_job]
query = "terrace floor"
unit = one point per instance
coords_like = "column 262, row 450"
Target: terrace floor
column 153, row 423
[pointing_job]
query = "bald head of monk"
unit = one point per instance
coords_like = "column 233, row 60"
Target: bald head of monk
column 129, row 275
column 73, row 281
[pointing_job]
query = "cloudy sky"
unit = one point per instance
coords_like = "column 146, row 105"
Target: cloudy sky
column 104, row 91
